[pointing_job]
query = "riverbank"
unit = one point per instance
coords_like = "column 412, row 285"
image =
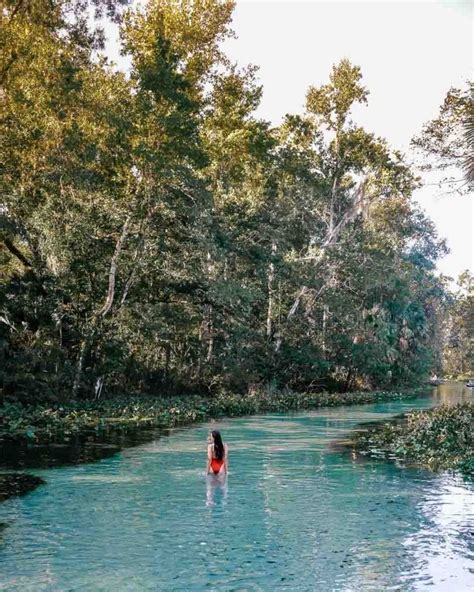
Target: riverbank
column 41, row 436
column 286, row 479
column 45, row 424
column 438, row 439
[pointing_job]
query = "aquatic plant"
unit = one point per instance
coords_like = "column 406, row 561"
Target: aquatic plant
column 40, row 423
column 440, row 438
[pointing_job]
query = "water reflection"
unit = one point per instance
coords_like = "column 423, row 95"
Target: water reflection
column 300, row 516
column 442, row 549
column 450, row 393
column 216, row 490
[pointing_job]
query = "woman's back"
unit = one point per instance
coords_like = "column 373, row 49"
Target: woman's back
column 217, row 454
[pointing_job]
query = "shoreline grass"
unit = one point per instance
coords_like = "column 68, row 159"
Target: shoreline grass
column 50, row 423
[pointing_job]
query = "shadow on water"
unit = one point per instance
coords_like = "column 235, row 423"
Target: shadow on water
column 88, row 446
column 293, row 516
column 85, row 447
column 12, row 484
column 92, row 446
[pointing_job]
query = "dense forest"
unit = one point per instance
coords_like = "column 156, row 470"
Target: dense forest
column 157, row 236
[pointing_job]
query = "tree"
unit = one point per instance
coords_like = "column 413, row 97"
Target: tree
column 447, row 142
column 459, row 330
column 158, row 236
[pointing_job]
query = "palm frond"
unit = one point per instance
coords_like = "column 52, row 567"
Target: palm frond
column 469, row 138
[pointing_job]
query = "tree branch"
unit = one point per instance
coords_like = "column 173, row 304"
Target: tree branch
column 113, row 269
column 16, row 252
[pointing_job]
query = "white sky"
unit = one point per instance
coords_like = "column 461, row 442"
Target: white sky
column 410, row 53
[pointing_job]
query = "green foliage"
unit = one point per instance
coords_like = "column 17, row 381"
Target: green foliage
column 155, row 235
column 442, row 438
column 458, row 330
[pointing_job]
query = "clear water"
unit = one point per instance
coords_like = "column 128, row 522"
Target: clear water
column 296, row 513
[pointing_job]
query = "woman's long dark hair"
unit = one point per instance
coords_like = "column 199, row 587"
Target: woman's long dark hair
column 218, row 444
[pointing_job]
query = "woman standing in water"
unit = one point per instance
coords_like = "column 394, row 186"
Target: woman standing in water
column 217, row 455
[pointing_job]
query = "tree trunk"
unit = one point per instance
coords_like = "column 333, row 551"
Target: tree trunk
column 330, row 239
column 80, row 364
column 271, row 292
column 99, row 383
column 97, row 316
column 113, row 269
column 210, row 333
column 323, row 330
column 209, row 315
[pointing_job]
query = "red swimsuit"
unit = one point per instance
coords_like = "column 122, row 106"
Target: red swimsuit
column 216, row 465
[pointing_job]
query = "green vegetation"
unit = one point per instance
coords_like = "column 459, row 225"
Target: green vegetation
column 156, row 236
column 441, row 438
column 458, row 338
column 45, row 423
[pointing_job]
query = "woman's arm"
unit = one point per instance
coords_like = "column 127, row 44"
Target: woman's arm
column 209, row 459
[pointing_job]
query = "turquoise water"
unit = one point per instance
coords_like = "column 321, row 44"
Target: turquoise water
column 295, row 513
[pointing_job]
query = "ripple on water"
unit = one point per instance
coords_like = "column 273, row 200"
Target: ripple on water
column 294, row 514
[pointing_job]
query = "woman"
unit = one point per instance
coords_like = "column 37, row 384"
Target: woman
column 217, row 455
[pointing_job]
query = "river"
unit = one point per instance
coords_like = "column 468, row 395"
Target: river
column 295, row 513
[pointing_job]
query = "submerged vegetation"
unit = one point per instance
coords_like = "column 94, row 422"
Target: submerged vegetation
column 441, row 438
column 13, row 484
column 157, row 236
